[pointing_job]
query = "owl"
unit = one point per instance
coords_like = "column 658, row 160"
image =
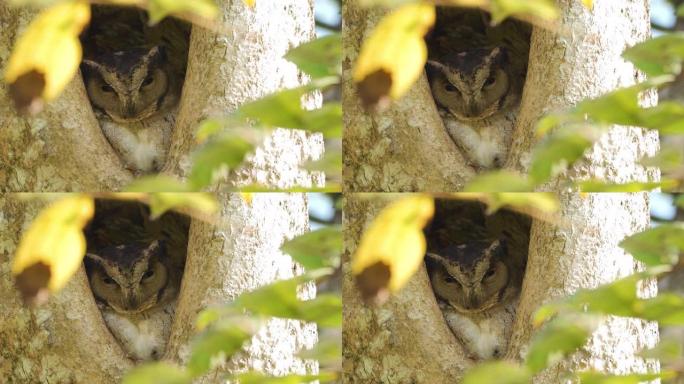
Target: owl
column 476, row 73
column 133, row 74
column 136, row 286
column 132, row 92
column 477, row 290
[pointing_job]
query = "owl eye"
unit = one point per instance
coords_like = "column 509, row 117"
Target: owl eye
column 450, row 88
column 109, row 281
column 148, row 80
column 489, row 273
column 450, row 280
column 148, row 274
column 490, row 80
column 107, row 88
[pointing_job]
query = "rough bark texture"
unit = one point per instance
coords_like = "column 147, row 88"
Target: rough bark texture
column 582, row 252
column 240, row 62
column 67, row 341
column 407, row 341
column 582, row 59
column 239, row 253
column 405, row 148
column 54, row 150
column 404, row 341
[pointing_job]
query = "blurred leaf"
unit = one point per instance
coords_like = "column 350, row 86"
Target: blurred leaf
column 328, row 350
column 666, row 308
column 499, row 181
column 658, row 245
column 224, row 338
column 157, row 373
column 667, row 159
column 279, row 299
column 600, row 186
column 160, row 202
column 159, row 9
column 588, row 3
column 46, row 56
column 284, row 109
column 558, row 151
column 541, row 9
column 558, row 339
column 667, row 351
column 319, row 58
column 497, row 372
column 52, row 248
column 680, row 10
column 659, row 55
column 635, row 378
column 679, row 201
column 392, row 247
column 227, row 151
column 259, row 378
column 316, row 249
column 393, row 56
column 250, row 3
column 157, row 183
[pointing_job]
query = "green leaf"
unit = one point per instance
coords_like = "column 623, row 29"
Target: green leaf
column 319, row 58
column 635, row 378
column 499, row 181
column 679, row 201
column 226, row 338
column 497, row 372
column 668, row 159
column 542, row 9
column 280, row 299
column 558, row 339
column 560, row 150
column 658, row 56
column 667, row 351
column 284, row 109
column 317, row 249
column 157, row 373
column 227, row 151
column 656, row 246
column 253, row 377
column 600, row 186
column 159, row 9
column 202, row 203
column 157, row 183
column 666, row 309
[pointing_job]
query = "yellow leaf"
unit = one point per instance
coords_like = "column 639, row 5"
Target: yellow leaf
column 588, row 3
column 52, row 249
column 250, row 3
column 47, row 55
column 247, row 197
column 392, row 248
column 393, row 57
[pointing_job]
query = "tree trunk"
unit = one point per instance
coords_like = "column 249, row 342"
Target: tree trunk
column 238, row 62
column 407, row 148
column 67, row 341
column 407, row 341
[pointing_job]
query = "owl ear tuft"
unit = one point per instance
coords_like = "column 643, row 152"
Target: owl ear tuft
column 89, row 65
column 155, row 54
column 498, row 55
column 435, row 66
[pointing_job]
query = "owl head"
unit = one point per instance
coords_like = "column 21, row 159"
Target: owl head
column 129, row 278
column 127, row 85
column 471, row 277
column 472, row 84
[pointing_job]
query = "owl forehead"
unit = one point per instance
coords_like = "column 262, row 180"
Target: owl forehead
column 126, row 257
column 472, row 64
column 127, row 67
column 467, row 256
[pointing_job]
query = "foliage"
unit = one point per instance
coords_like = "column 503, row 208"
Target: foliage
column 392, row 248
column 46, row 58
column 382, row 74
column 224, row 329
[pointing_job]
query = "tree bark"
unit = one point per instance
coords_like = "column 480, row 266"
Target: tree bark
column 67, row 341
column 239, row 60
column 582, row 59
column 407, row 341
column 403, row 149
column 407, row 148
